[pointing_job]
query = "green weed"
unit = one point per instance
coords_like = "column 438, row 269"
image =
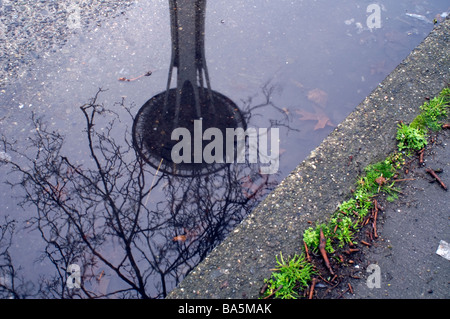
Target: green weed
column 311, row 237
column 346, row 221
column 433, row 112
column 289, row 277
column 411, row 138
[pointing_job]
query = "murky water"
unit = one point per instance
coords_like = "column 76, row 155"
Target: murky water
column 82, row 193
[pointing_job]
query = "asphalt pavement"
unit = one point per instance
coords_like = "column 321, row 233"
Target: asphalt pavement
column 410, row 262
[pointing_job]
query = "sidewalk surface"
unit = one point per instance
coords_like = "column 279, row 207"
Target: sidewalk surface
column 411, row 230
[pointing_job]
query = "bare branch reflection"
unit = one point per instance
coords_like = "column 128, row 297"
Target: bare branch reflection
column 134, row 231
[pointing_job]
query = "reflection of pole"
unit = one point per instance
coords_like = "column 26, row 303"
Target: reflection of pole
column 192, row 98
column 188, row 55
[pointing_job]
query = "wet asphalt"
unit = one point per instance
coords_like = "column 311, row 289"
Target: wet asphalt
column 411, row 230
column 31, row 29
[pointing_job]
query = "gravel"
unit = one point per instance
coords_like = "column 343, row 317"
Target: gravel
column 29, row 29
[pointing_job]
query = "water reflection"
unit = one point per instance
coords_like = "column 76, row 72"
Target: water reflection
column 135, row 233
column 94, row 200
column 192, row 99
column 133, row 230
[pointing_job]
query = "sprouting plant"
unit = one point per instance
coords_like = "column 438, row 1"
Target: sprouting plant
column 344, row 231
column 397, row 160
column 348, row 207
column 311, row 237
column 411, row 138
column 432, row 113
column 289, row 277
column 446, row 93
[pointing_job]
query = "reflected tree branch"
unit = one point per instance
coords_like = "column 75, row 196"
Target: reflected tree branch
column 12, row 285
column 94, row 212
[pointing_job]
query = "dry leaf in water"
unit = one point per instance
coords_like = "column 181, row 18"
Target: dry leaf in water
column 319, row 116
column 180, row 238
column 298, row 84
column 318, row 96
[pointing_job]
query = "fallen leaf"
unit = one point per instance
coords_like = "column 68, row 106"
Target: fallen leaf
column 298, row 84
column 319, row 116
column 380, row 180
column 318, row 96
column 379, row 68
column 180, row 238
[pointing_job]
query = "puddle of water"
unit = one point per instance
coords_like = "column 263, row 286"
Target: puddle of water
column 135, row 231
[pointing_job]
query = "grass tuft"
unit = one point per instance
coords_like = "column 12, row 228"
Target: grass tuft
column 289, row 277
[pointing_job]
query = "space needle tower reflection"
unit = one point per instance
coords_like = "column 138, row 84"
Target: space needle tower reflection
column 191, row 100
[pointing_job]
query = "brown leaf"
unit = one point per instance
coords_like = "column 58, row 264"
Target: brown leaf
column 380, row 180
column 298, row 84
column 180, row 238
column 318, row 96
column 319, row 116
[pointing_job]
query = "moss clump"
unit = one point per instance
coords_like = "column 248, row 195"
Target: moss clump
column 433, row 112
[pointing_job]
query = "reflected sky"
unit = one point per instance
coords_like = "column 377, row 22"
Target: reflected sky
column 301, row 66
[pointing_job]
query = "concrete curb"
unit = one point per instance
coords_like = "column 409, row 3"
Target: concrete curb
column 312, row 192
